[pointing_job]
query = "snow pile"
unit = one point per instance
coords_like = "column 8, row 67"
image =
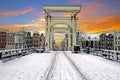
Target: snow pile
column 97, row 68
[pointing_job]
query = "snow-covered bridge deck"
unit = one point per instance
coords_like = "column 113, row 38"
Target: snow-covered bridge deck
column 45, row 67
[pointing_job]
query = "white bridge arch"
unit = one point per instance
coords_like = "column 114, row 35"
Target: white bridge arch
column 70, row 30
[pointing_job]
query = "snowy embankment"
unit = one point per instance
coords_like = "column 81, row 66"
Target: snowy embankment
column 96, row 68
column 29, row 67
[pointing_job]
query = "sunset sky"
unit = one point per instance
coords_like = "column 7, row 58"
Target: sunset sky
column 96, row 15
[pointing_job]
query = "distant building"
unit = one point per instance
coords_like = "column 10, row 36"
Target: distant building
column 80, row 39
column 107, row 41
column 116, row 35
column 6, row 40
column 62, row 46
column 29, row 40
column 42, row 41
column 103, row 41
column 92, row 42
column 20, row 39
column 83, row 42
column 96, row 42
column 116, row 39
column 36, row 40
column 89, row 40
column 110, row 42
column 64, row 43
column 3, row 34
column 10, row 37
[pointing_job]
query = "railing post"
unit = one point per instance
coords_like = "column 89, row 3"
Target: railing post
column 117, row 56
column 0, row 55
column 109, row 54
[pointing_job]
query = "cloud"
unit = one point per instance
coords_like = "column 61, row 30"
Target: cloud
column 91, row 22
column 90, row 8
column 76, row 1
column 101, row 24
column 39, row 22
column 15, row 13
column 87, row 9
column 35, row 25
column 93, row 19
column 88, row 20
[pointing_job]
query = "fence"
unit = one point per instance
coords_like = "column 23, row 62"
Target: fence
column 109, row 54
column 6, row 55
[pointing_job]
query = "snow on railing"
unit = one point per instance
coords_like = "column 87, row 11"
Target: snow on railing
column 6, row 55
column 109, row 54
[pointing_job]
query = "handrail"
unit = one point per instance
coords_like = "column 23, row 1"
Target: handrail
column 109, row 54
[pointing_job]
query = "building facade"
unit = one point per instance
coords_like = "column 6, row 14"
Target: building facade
column 107, row 41
column 36, row 40
column 83, row 42
column 29, row 40
column 10, row 37
column 103, row 41
column 110, row 42
column 42, row 41
column 92, row 42
column 89, row 40
column 3, row 34
column 116, row 39
column 20, row 40
column 6, row 40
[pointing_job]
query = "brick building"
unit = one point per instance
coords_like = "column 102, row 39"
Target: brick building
column 21, row 39
column 110, row 42
column 29, row 40
column 107, row 41
column 10, row 37
column 103, row 41
column 3, row 34
column 36, row 40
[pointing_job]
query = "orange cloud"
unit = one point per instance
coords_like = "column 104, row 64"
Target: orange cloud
column 35, row 25
column 58, row 42
column 15, row 13
column 101, row 24
column 90, row 8
column 89, row 22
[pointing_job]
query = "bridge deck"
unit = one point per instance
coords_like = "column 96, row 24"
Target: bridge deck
column 37, row 67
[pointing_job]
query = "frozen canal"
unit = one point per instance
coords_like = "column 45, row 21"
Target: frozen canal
column 60, row 66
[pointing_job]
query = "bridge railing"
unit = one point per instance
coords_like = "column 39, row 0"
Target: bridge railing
column 9, row 54
column 109, row 54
